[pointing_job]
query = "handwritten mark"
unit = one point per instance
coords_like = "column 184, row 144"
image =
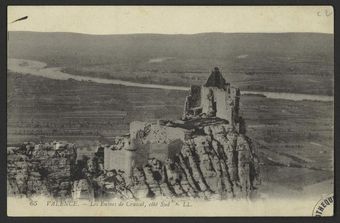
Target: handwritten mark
column 20, row 19
column 325, row 12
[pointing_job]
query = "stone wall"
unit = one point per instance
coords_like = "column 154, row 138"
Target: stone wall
column 227, row 102
column 119, row 159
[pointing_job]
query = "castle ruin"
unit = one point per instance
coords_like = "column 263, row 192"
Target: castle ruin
column 216, row 98
column 205, row 155
column 215, row 103
column 208, row 145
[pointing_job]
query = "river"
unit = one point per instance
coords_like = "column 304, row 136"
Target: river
column 40, row 69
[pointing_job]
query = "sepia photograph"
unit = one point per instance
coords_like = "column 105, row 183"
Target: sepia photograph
column 170, row 111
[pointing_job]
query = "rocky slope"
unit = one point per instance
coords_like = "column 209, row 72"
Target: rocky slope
column 214, row 163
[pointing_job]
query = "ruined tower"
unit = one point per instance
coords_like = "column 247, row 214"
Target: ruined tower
column 216, row 98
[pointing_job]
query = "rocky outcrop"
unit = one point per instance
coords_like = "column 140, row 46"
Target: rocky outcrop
column 217, row 164
column 40, row 170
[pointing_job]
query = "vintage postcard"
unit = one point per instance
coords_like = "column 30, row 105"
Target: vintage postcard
column 170, row 111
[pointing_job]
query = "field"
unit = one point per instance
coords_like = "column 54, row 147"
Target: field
column 44, row 109
column 285, row 62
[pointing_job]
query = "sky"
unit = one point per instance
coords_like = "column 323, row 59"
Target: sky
column 171, row 19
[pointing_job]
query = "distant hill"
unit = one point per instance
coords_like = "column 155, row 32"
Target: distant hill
column 105, row 48
column 187, row 58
